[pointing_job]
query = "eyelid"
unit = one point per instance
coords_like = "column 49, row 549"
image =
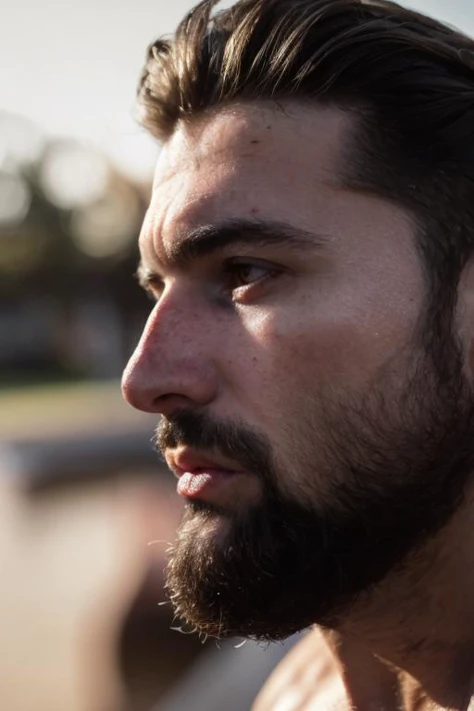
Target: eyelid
column 253, row 262
column 240, row 288
column 152, row 283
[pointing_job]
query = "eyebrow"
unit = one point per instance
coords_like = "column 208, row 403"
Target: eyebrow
column 205, row 240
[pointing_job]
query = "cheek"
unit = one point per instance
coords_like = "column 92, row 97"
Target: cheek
column 298, row 370
column 319, row 352
column 290, row 364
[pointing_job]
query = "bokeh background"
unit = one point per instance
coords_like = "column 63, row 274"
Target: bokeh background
column 86, row 507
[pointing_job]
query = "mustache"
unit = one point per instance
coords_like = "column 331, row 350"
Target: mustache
column 233, row 440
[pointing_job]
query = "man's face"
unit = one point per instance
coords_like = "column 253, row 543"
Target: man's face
column 284, row 353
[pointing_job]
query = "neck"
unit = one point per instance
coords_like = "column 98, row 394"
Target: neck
column 409, row 643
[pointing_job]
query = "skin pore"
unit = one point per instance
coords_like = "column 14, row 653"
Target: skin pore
column 282, row 299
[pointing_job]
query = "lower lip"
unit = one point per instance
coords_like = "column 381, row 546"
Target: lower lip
column 203, row 484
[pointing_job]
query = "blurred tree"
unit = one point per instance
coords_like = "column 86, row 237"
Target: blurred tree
column 68, row 229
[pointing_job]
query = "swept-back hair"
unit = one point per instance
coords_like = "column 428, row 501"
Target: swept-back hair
column 408, row 80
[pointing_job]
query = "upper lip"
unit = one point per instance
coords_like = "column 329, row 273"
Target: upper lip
column 185, row 459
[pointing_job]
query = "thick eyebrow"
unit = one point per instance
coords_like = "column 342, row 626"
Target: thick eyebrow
column 207, row 239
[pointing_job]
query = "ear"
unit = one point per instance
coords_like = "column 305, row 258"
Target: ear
column 464, row 318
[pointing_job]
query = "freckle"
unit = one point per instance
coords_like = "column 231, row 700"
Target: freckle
column 255, row 141
column 269, row 127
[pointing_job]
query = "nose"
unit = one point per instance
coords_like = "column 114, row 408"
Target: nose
column 172, row 366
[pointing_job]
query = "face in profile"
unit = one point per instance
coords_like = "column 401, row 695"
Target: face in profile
column 318, row 440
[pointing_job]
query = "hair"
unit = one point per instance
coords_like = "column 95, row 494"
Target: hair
column 408, row 80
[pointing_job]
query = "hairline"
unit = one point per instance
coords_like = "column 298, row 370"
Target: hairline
column 349, row 165
column 347, row 155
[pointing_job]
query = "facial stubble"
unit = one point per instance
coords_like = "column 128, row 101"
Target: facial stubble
column 396, row 462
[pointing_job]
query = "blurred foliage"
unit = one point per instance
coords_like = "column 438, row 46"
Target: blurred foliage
column 69, row 222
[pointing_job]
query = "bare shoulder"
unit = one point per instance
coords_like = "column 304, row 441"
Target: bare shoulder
column 305, row 679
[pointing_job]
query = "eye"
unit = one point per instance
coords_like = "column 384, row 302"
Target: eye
column 242, row 274
column 154, row 287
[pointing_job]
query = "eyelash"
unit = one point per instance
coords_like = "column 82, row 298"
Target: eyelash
column 234, row 269
column 231, row 272
column 154, row 288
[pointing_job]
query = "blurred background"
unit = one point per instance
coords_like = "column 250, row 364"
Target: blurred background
column 86, row 507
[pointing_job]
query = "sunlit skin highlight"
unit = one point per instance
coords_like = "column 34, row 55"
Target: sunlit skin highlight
column 341, row 312
column 280, row 292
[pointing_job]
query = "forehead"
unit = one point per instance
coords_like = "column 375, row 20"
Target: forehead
column 252, row 133
column 268, row 162
column 246, row 161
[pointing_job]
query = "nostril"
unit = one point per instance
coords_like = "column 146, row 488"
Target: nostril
column 167, row 404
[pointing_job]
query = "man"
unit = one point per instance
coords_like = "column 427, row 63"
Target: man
column 311, row 349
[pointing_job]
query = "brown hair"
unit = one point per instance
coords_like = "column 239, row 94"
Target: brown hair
column 408, row 78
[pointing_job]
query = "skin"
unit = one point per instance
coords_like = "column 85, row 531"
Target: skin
column 255, row 341
column 336, row 315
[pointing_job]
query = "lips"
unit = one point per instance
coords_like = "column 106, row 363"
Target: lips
column 206, row 477
column 187, row 461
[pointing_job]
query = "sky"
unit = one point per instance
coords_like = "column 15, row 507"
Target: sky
column 71, row 66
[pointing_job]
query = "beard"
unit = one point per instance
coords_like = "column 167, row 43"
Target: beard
column 386, row 471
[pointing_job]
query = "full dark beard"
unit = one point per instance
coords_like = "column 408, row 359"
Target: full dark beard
column 399, row 463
